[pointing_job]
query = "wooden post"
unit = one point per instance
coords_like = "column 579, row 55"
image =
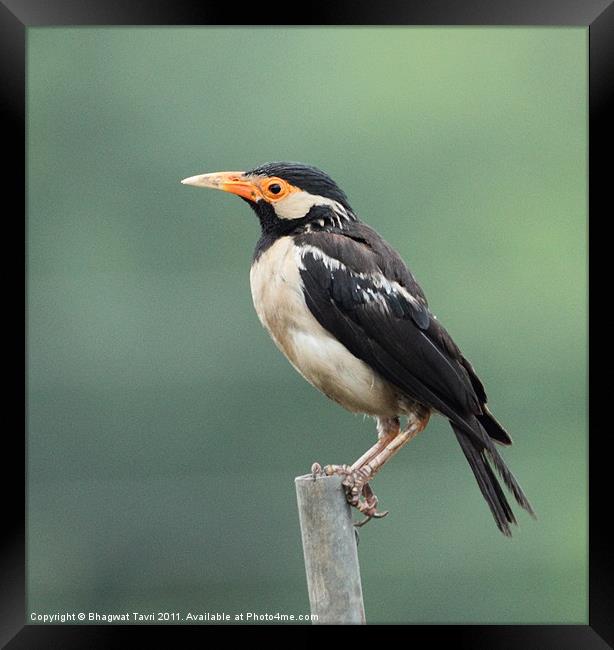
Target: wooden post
column 329, row 547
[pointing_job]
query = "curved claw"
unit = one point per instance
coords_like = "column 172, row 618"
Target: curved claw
column 360, row 524
column 380, row 515
column 367, row 519
column 316, row 470
column 357, row 489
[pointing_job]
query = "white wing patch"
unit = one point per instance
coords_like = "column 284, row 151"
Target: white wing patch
column 377, row 279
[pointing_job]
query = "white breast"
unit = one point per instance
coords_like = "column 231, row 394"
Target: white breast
column 277, row 293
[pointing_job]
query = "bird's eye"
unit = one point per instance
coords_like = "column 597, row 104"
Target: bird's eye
column 275, row 188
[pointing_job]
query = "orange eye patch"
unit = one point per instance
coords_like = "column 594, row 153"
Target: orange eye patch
column 274, row 189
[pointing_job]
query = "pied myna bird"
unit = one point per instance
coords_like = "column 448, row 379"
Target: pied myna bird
column 348, row 314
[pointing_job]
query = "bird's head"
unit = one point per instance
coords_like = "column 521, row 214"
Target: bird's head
column 284, row 195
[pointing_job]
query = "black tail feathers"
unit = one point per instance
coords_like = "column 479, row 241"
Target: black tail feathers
column 479, row 457
column 493, row 428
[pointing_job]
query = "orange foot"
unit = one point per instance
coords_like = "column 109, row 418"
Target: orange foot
column 358, row 492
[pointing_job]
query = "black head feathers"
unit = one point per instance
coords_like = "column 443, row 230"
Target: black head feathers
column 308, row 178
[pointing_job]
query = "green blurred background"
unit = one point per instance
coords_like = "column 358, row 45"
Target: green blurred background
column 165, row 429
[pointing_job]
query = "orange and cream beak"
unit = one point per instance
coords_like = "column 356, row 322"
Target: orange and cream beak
column 233, row 182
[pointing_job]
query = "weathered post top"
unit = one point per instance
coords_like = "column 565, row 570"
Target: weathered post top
column 329, row 547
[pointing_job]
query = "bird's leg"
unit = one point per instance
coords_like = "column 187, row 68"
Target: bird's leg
column 358, row 491
column 357, row 477
column 387, row 429
column 416, row 423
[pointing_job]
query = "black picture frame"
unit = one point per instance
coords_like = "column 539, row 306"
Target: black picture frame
column 16, row 16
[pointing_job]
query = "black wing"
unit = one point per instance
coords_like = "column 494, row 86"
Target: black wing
column 362, row 292
column 359, row 289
